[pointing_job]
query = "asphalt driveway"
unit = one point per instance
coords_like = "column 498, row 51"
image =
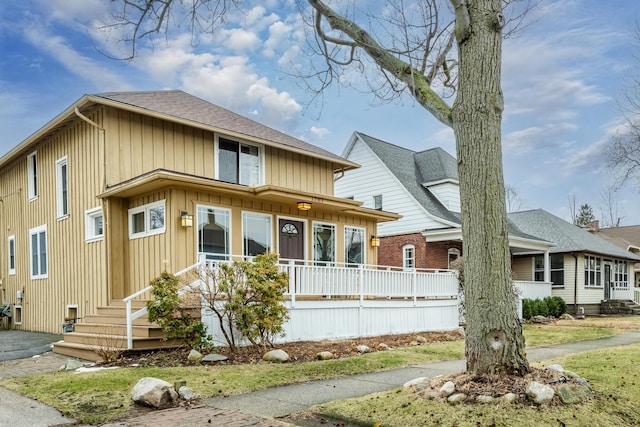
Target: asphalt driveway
column 20, row 344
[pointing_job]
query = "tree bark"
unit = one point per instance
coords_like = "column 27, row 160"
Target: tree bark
column 494, row 340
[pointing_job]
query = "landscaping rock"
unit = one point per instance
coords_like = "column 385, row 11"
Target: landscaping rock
column 583, row 382
column 214, row 357
column 186, row 393
column 567, row 316
column 72, row 365
column 483, row 398
column 570, row 394
column 363, row 349
column 456, row 398
column 539, row 319
column 418, row 384
column 324, row 355
column 278, row 356
column 421, row 339
column 509, row 397
column 447, row 389
column 383, row 346
column 539, row 393
column 154, row 392
column 194, row 356
column 558, row 368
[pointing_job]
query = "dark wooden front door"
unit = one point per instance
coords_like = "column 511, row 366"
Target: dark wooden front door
column 291, row 239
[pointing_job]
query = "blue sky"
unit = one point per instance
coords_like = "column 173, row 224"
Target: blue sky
column 562, row 76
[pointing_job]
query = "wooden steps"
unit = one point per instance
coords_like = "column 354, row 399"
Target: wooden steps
column 105, row 332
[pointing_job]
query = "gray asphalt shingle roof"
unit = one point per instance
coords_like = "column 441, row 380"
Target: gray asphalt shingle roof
column 412, row 167
column 568, row 237
column 184, row 106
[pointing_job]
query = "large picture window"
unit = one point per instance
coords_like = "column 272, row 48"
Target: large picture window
column 324, row 242
column 592, row 271
column 239, row 163
column 256, row 233
column 354, row 245
column 38, row 252
column 62, row 187
column 147, row 220
column 214, row 228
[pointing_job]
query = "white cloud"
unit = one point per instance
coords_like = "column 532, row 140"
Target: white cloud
column 549, row 136
column 319, row 132
column 278, row 33
column 239, row 40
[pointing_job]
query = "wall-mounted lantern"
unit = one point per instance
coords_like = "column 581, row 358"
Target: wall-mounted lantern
column 375, row 241
column 304, row 206
column 186, row 220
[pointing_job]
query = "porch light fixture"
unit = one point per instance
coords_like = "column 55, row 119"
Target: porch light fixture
column 375, row 241
column 186, row 220
column 304, row 206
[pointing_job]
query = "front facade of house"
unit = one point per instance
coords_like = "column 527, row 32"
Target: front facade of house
column 423, row 188
column 585, row 270
column 121, row 186
column 625, row 237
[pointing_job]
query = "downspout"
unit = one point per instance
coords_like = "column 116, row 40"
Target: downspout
column 339, row 175
column 575, row 284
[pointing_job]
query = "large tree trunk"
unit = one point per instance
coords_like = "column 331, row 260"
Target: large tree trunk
column 494, row 340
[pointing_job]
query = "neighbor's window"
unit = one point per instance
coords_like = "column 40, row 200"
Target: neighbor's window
column 621, row 275
column 256, row 233
column 454, row 254
column 214, row 229
column 147, row 220
column 409, row 256
column 62, row 187
column 354, row 245
column 93, row 223
column 556, row 269
column 12, row 254
column 32, row 174
column 324, row 242
column 38, row 252
column 592, row 271
column 377, row 202
column 239, row 163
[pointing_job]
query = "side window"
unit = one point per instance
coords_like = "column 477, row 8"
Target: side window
column 12, row 255
column 353, row 245
column 377, row 202
column 38, row 252
column 32, row 175
column 256, row 233
column 324, row 243
column 214, row 231
column 147, row 220
column 409, row 256
column 93, row 225
column 62, row 187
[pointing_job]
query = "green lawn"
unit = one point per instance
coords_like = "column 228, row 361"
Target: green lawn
column 101, row 396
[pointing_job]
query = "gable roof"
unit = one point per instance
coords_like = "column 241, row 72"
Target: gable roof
column 412, row 169
column 626, row 237
column 179, row 106
column 568, row 237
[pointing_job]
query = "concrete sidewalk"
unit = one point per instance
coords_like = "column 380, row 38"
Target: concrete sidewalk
column 282, row 401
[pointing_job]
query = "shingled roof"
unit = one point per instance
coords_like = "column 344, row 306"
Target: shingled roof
column 181, row 105
column 413, row 169
column 568, row 237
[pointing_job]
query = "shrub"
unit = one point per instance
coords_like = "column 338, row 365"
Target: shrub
column 549, row 306
column 167, row 310
column 527, row 306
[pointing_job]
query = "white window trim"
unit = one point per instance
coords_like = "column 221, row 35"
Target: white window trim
column 59, row 194
column 586, row 278
column 263, row 215
column 230, row 216
column 89, row 216
column 12, row 238
column 404, row 256
column 32, row 176
column 261, row 156
column 146, row 208
column 450, row 251
column 335, row 240
column 363, row 243
column 17, row 308
column 38, row 230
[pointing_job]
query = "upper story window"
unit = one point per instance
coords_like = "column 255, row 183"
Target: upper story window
column 147, row 220
column 354, row 245
column 32, row 175
column 12, row 255
column 409, row 256
column 592, row 271
column 93, row 223
column 324, row 242
column 239, row 163
column 256, row 233
column 38, row 252
column 377, row 202
column 62, row 187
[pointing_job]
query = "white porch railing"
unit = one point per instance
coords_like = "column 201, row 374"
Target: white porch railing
column 636, row 296
column 340, row 281
column 533, row 290
column 623, row 293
